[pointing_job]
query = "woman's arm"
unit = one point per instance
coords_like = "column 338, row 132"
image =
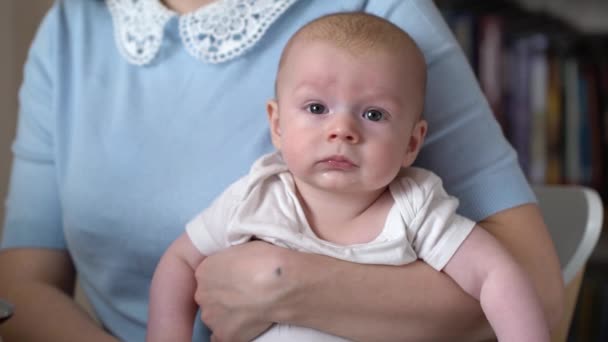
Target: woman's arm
column 40, row 283
column 256, row 281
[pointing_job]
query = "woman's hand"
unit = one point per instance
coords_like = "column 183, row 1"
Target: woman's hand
column 238, row 287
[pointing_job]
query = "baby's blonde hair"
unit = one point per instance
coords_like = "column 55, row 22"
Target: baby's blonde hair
column 357, row 33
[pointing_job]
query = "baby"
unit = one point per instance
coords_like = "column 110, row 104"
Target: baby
column 347, row 127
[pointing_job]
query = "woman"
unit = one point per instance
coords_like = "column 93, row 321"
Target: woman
column 136, row 114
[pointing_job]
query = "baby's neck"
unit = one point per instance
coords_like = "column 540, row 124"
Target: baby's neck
column 345, row 218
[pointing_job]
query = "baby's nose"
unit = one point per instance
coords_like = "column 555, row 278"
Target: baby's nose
column 343, row 127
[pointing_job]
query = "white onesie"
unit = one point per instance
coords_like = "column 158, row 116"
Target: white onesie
column 422, row 224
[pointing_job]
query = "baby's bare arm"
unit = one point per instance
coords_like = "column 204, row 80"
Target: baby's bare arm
column 172, row 307
column 485, row 270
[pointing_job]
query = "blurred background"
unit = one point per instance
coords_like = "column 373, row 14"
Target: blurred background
column 18, row 22
column 543, row 65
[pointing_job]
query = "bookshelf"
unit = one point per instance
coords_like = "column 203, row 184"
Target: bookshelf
column 543, row 67
column 547, row 82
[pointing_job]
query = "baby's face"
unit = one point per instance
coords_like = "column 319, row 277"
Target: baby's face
column 345, row 121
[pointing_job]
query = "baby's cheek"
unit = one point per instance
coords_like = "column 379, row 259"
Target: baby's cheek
column 292, row 152
column 387, row 165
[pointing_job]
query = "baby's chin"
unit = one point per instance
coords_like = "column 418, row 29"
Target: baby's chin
column 343, row 182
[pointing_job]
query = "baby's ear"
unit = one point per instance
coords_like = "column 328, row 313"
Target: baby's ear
column 272, row 108
column 415, row 143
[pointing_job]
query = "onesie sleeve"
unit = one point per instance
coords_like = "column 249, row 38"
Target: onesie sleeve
column 208, row 231
column 33, row 209
column 433, row 227
column 465, row 145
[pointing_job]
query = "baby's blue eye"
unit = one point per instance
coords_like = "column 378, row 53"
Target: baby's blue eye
column 373, row 115
column 316, row 108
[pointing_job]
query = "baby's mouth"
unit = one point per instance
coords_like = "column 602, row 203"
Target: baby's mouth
column 339, row 163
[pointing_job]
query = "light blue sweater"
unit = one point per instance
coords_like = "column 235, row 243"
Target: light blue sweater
column 112, row 159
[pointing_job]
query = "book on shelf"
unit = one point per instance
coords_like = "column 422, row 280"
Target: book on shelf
column 554, row 129
column 538, row 80
column 603, row 125
column 572, row 116
column 490, row 62
column 517, row 110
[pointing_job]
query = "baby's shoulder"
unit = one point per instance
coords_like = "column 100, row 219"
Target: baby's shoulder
column 415, row 182
column 267, row 173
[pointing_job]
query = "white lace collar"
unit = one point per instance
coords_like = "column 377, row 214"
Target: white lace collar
column 215, row 33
